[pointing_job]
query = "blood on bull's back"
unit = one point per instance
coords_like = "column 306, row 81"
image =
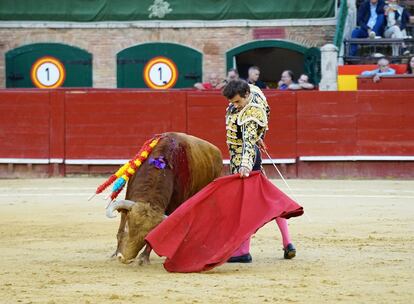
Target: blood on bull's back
column 190, row 164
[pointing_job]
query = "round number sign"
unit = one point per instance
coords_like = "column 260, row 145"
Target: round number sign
column 160, row 73
column 48, row 73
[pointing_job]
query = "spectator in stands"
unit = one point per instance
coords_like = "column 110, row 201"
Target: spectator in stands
column 232, row 74
column 371, row 21
column 410, row 66
column 383, row 70
column 213, row 83
column 359, row 3
column 303, row 84
column 286, row 80
column 253, row 78
column 397, row 18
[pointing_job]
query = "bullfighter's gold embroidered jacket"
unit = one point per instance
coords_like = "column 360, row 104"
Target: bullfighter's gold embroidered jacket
column 245, row 127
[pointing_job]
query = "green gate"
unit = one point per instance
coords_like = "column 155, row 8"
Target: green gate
column 133, row 70
column 77, row 64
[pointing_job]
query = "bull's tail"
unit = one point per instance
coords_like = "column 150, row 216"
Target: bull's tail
column 128, row 169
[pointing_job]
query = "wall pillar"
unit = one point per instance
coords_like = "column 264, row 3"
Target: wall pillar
column 329, row 68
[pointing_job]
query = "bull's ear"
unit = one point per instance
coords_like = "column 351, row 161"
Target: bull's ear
column 118, row 206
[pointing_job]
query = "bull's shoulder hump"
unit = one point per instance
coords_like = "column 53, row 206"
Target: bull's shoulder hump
column 190, row 141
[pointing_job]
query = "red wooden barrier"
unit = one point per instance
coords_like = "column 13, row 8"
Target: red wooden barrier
column 394, row 83
column 281, row 138
column 385, row 123
column 24, row 124
column 107, row 124
column 205, row 118
column 114, row 123
column 326, row 123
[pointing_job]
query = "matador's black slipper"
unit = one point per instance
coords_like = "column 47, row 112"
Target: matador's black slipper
column 245, row 258
column 289, row 251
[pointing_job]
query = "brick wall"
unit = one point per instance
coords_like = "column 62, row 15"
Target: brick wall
column 105, row 43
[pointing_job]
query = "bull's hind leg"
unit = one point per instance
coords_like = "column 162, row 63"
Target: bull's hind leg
column 143, row 258
column 121, row 231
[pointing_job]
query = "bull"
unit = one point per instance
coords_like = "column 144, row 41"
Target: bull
column 153, row 192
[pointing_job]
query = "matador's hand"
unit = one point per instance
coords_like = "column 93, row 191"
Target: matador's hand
column 244, row 172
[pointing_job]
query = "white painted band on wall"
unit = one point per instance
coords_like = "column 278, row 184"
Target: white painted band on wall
column 96, row 161
column 357, row 158
column 56, row 160
column 225, row 161
column 24, row 161
column 269, row 162
column 31, row 161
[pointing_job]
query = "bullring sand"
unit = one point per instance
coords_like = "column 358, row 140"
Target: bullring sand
column 356, row 247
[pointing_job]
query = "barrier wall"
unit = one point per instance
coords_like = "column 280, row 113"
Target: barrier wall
column 93, row 130
column 393, row 82
column 348, row 75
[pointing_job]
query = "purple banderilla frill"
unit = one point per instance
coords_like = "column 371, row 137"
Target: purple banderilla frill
column 158, row 162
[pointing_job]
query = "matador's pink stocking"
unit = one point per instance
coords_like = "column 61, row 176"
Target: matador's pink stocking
column 284, row 230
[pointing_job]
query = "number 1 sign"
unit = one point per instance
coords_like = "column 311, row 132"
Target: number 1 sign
column 160, row 73
column 48, row 73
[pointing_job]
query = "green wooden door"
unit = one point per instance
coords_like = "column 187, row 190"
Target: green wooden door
column 20, row 61
column 131, row 64
column 312, row 64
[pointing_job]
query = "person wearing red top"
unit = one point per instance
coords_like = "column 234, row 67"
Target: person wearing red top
column 213, row 83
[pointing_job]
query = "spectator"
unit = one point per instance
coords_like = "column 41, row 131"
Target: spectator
column 397, row 19
column 410, row 66
column 232, row 74
column 286, row 80
column 383, row 70
column 303, row 84
column 212, row 84
column 253, row 78
column 370, row 20
column 359, row 3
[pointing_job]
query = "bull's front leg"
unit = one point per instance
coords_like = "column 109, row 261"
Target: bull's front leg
column 143, row 258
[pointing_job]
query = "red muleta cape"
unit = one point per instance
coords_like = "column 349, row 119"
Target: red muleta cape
column 204, row 231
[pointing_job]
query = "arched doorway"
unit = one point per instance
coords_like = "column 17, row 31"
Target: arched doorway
column 273, row 57
column 175, row 60
column 75, row 64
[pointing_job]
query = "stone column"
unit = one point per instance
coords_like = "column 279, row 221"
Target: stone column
column 329, row 68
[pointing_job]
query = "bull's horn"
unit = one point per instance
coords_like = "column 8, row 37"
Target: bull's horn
column 116, row 205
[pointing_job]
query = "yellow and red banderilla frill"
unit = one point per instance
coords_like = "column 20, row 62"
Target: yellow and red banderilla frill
column 128, row 169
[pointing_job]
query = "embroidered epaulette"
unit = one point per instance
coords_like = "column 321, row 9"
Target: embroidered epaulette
column 256, row 91
column 252, row 112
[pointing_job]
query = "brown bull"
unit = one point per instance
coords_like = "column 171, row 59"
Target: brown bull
column 152, row 193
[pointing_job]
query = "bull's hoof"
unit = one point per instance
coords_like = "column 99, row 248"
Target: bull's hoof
column 245, row 258
column 143, row 259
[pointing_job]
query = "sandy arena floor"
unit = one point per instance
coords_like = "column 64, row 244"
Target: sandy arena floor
column 357, row 247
